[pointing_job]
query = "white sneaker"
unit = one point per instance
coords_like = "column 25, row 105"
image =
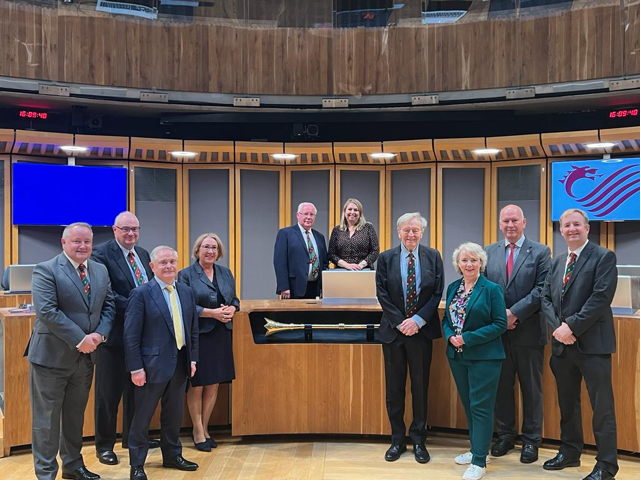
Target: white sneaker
column 474, row 472
column 466, row 458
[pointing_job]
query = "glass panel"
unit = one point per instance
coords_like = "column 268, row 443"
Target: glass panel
column 521, row 185
column 411, row 192
column 626, row 242
column 156, row 207
column 312, row 186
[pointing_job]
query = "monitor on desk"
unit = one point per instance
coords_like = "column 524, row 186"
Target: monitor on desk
column 351, row 287
column 20, row 278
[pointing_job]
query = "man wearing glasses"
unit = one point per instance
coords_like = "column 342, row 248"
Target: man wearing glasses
column 128, row 267
column 300, row 256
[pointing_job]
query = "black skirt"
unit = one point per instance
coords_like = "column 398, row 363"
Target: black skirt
column 216, row 362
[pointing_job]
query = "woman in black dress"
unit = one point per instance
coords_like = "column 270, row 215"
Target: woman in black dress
column 353, row 244
column 215, row 293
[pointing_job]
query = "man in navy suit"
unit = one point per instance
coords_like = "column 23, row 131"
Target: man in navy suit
column 300, row 256
column 409, row 285
column 161, row 352
column 128, row 267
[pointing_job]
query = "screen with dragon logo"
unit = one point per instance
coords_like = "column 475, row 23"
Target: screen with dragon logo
column 607, row 189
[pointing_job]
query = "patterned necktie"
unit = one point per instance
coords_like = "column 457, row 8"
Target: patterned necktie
column 510, row 262
column 313, row 259
column 85, row 281
column 140, row 280
column 411, row 300
column 568, row 272
column 175, row 316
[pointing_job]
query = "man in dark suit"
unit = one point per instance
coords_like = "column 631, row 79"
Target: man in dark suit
column 161, row 352
column 300, row 256
column 578, row 294
column 128, row 267
column 74, row 312
column 520, row 265
column 409, row 285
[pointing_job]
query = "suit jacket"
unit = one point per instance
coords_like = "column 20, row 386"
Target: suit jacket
column 206, row 293
column 149, row 339
column 390, row 288
column 64, row 315
column 523, row 290
column 110, row 255
column 586, row 304
column 485, row 321
column 291, row 259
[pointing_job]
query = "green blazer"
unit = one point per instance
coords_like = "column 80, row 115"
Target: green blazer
column 485, row 321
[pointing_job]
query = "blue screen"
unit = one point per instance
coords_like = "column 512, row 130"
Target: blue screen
column 606, row 189
column 45, row 194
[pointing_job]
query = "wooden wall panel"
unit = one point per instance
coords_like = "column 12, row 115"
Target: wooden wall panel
column 459, row 150
column 569, row 143
column 79, row 45
column 516, row 147
column 30, row 142
column 155, row 150
column 213, row 152
column 103, row 147
column 310, row 153
column 409, row 151
column 626, row 138
column 6, row 140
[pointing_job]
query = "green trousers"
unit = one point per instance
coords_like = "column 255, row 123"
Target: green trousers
column 477, row 383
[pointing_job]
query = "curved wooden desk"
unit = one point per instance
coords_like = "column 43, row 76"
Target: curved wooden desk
column 340, row 388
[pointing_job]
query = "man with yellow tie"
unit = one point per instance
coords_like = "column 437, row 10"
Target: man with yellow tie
column 161, row 352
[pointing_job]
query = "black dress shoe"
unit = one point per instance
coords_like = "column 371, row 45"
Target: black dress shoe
column 137, row 472
column 80, row 473
column 502, row 448
column 107, row 457
column 420, row 454
column 394, row 452
column 204, row 446
column 178, row 462
column 212, row 443
column 154, row 443
column 529, row 453
column 559, row 462
column 599, row 473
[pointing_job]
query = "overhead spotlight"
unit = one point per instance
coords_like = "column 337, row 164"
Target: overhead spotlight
column 283, row 156
column 382, row 155
column 183, row 153
column 486, row 151
column 73, row 148
column 600, row 145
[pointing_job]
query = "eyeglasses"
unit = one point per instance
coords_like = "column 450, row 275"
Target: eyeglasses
column 127, row 230
column 209, row 248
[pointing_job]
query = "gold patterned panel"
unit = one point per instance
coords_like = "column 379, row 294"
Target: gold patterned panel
column 410, row 151
column 6, row 140
column 559, row 144
column 47, row 144
column 155, row 150
column 259, row 153
column 626, row 138
column 459, row 150
column 516, row 147
column 103, row 147
column 210, row 152
column 310, row 153
column 357, row 153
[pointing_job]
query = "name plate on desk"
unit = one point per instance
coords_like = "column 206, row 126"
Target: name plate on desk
column 341, row 286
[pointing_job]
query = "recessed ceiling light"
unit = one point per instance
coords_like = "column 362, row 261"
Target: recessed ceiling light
column 73, row 148
column 284, row 156
column 486, row 151
column 382, row 155
column 600, row 145
column 612, row 161
column 183, row 153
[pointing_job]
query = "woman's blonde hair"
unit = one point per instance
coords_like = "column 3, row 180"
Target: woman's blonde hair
column 471, row 248
column 361, row 219
column 199, row 242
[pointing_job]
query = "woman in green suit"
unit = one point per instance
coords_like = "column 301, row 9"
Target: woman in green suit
column 473, row 323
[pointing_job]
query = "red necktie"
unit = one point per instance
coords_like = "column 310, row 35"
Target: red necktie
column 85, row 281
column 510, row 262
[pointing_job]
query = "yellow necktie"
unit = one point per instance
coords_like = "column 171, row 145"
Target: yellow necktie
column 175, row 315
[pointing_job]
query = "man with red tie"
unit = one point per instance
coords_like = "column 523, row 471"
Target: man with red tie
column 576, row 305
column 128, row 267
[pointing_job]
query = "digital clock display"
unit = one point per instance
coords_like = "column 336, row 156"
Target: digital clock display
column 33, row 114
column 620, row 113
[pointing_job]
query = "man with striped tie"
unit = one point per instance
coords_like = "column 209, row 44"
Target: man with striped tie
column 300, row 257
column 128, row 267
column 74, row 311
column 409, row 285
column 578, row 292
